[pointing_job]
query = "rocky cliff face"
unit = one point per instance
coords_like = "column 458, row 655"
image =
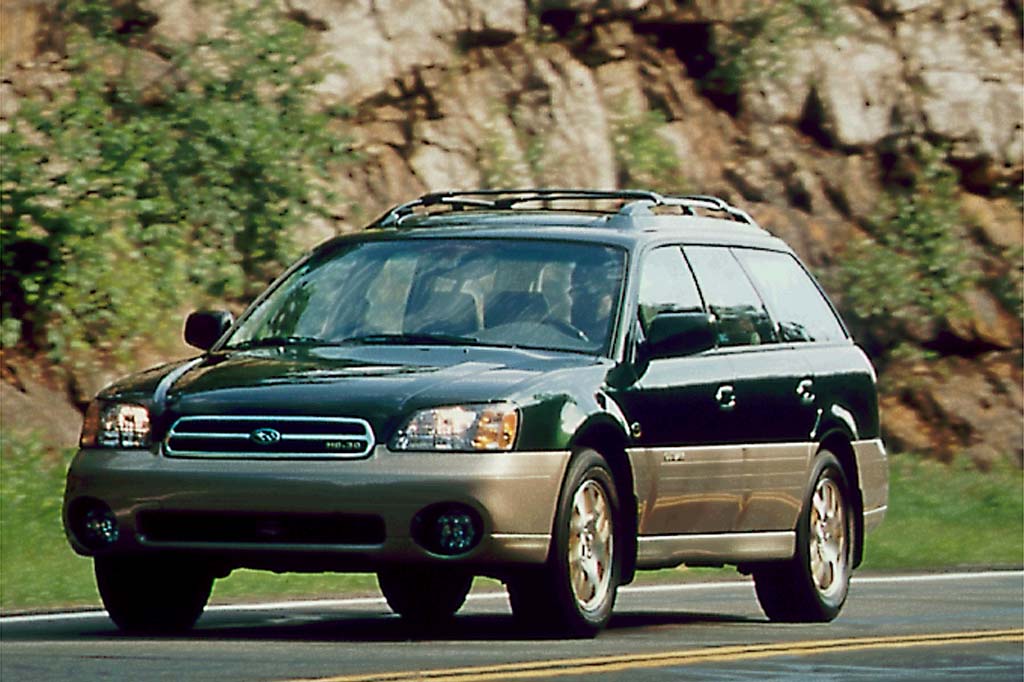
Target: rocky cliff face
column 803, row 118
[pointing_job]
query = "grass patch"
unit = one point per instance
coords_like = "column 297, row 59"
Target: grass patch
column 939, row 517
column 247, row 585
column 39, row 570
column 946, row 516
column 37, row 567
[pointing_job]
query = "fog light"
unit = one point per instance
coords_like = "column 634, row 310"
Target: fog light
column 94, row 524
column 455, row 533
column 449, row 530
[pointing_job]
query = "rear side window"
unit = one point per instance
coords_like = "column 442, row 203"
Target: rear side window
column 794, row 300
column 731, row 298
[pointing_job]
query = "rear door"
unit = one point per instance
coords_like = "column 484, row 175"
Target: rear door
column 773, row 412
column 807, row 326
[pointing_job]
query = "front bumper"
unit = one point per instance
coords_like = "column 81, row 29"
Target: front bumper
column 513, row 493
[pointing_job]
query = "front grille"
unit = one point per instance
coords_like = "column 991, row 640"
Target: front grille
column 267, row 437
column 275, row 529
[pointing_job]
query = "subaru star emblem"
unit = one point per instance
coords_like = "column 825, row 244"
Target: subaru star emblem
column 265, row 436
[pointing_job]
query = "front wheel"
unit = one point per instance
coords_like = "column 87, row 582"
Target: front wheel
column 574, row 592
column 153, row 595
column 812, row 586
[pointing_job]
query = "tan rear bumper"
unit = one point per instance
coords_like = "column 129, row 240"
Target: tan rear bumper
column 873, row 465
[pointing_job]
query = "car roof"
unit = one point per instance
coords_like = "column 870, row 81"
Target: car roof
column 637, row 232
column 637, row 218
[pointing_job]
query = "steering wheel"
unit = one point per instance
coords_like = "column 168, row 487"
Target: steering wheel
column 565, row 328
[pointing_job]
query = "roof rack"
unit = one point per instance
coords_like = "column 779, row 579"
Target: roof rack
column 640, row 202
column 688, row 202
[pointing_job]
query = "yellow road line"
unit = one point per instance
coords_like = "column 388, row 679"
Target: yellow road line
column 620, row 663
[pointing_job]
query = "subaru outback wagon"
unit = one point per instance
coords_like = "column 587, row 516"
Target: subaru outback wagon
column 555, row 388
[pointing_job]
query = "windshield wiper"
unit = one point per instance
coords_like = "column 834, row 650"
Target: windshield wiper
column 414, row 339
column 278, row 341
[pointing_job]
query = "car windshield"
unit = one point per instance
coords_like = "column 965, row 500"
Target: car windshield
column 522, row 293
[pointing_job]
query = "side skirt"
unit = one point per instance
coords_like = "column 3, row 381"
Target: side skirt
column 664, row 551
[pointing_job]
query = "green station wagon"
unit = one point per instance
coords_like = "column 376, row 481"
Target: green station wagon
column 555, row 388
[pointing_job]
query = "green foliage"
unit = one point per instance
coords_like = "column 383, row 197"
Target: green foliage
column 644, row 158
column 915, row 269
column 1009, row 288
column 155, row 181
column 505, row 162
column 497, row 161
column 762, row 41
column 538, row 31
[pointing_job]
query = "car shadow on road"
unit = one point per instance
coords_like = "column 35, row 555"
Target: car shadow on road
column 350, row 627
column 474, row 627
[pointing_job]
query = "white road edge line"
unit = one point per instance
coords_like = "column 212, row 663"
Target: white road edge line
column 379, row 601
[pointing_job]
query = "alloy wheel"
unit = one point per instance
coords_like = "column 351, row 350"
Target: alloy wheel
column 590, row 546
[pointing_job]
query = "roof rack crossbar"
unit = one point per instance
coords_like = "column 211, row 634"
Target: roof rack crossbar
column 707, row 202
column 461, row 203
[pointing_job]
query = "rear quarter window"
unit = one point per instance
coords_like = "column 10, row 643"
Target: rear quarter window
column 793, row 299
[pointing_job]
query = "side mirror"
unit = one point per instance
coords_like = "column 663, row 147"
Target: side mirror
column 204, row 328
column 678, row 334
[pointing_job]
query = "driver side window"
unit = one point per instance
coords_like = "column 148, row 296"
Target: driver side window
column 667, row 285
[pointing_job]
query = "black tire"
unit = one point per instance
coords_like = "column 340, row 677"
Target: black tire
column 424, row 595
column 812, row 586
column 574, row 592
column 152, row 595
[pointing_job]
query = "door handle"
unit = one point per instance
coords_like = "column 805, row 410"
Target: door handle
column 726, row 398
column 805, row 389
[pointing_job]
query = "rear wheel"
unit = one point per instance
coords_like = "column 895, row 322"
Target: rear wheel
column 574, row 592
column 153, row 595
column 424, row 595
column 812, row 586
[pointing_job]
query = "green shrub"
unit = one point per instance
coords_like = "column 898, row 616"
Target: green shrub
column 134, row 192
column 1009, row 287
column 914, row 268
column 497, row 161
column 762, row 41
column 644, row 158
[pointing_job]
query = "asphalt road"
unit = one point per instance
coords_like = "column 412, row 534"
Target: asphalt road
column 931, row 627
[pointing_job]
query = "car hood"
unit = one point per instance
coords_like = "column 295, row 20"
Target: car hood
column 382, row 384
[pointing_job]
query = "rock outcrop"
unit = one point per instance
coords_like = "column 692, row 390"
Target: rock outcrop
column 469, row 93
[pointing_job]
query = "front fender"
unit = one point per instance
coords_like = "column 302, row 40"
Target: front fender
column 557, row 421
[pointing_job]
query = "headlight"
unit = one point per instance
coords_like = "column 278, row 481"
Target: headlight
column 460, row 428
column 115, row 425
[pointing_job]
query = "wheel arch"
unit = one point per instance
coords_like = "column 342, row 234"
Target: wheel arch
column 839, row 442
column 607, row 438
